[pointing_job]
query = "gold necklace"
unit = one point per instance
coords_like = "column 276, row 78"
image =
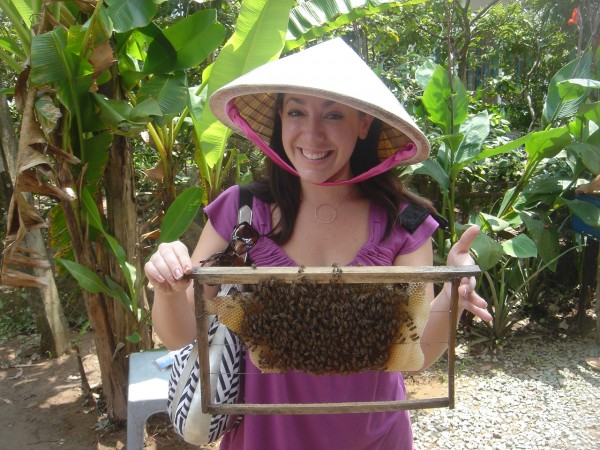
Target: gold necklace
column 326, row 210
column 326, row 213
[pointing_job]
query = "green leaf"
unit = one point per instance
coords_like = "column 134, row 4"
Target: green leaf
column 119, row 293
column 544, row 184
column 13, row 48
column 312, row 19
column 96, row 158
column 588, row 212
column 475, row 130
column 591, row 112
column 112, row 112
column 258, row 38
column 576, row 88
column 144, row 111
column 520, row 246
column 192, row 40
column 122, row 118
column 130, row 14
column 86, row 278
column 50, row 63
column 434, row 170
column 446, row 105
column 170, row 91
column 22, row 16
column 134, row 337
column 547, row 143
column 27, row 10
column 496, row 224
column 94, row 218
column 545, row 236
column 89, row 206
column 11, row 62
column 539, row 144
column 555, row 106
column 160, row 54
column 589, row 154
column 180, row 214
column 423, row 74
column 487, row 251
column 129, row 271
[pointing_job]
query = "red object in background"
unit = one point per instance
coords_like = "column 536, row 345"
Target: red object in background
column 575, row 18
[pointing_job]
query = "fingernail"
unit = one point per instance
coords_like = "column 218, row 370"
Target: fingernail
column 178, row 274
column 160, row 279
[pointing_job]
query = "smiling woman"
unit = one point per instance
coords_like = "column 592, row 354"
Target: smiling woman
column 332, row 131
column 319, row 136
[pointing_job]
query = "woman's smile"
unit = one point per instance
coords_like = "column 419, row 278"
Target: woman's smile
column 314, row 156
column 319, row 136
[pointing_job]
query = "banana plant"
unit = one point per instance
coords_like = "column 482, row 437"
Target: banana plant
column 178, row 217
column 462, row 137
column 259, row 37
column 97, row 76
column 313, row 19
column 571, row 133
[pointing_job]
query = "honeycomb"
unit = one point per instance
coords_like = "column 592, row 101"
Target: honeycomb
column 332, row 328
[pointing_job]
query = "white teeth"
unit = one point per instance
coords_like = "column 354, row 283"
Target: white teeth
column 315, row 156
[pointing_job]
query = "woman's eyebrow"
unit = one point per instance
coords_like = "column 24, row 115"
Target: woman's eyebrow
column 300, row 101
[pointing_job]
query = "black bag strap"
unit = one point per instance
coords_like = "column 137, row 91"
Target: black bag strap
column 245, row 208
column 414, row 215
column 245, row 196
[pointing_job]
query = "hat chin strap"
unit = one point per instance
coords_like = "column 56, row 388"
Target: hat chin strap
column 402, row 154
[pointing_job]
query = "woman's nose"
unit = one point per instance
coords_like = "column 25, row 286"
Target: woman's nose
column 315, row 127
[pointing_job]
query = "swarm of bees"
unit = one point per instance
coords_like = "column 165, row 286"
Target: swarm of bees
column 333, row 328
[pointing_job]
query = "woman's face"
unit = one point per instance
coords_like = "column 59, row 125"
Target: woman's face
column 319, row 136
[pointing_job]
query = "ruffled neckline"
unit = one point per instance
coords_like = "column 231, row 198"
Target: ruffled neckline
column 372, row 253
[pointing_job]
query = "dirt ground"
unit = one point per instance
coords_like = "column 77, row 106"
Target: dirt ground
column 42, row 407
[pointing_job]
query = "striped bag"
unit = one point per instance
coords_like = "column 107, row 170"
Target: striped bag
column 226, row 355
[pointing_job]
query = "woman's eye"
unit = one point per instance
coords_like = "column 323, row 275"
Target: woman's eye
column 294, row 113
column 334, row 116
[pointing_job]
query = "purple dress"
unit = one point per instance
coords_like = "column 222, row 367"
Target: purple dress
column 385, row 431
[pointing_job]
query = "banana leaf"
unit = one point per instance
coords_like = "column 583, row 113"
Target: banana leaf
column 257, row 39
column 314, row 18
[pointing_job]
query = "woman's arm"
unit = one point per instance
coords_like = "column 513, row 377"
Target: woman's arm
column 434, row 340
column 173, row 315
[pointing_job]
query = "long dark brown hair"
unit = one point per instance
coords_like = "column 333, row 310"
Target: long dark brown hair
column 283, row 188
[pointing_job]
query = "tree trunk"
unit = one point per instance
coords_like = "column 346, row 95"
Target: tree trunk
column 8, row 155
column 50, row 320
column 119, row 184
column 111, row 356
column 52, row 325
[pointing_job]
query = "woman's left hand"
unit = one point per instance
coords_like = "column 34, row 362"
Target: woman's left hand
column 459, row 255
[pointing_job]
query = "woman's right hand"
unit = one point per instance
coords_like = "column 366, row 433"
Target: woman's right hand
column 167, row 266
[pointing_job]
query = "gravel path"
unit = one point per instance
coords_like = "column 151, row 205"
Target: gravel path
column 533, row 394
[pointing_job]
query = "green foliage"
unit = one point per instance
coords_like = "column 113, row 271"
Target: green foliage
column 15, row 314
column 312, row 19
column 166, row 70
column 181, row 214
column 257, row 39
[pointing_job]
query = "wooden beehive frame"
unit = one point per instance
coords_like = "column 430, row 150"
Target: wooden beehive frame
column 371, row 274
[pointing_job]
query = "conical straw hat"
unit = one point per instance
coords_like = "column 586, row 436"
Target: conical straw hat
column 330, row 70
